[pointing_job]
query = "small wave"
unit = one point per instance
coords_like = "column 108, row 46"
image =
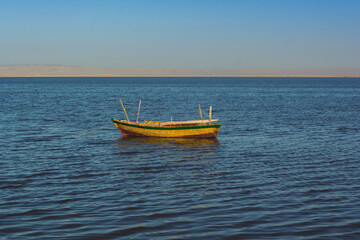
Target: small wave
column 4, row 184
column 347, row 129
column 12, row 185
column 128, row 153
column 69, row 226
column 40, row 138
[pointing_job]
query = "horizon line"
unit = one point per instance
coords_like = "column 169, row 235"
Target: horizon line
column 110, row 75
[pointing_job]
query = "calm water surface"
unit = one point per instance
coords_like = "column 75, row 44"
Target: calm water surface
column 285, row 165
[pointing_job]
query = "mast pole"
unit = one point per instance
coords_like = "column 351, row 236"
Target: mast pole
column 137, row 119
column 200, row 112
column 210, row 114
column 124, row 110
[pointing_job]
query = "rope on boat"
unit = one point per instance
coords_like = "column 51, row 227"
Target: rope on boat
column 89, row 131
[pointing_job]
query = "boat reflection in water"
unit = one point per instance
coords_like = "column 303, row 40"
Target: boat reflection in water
column 155, row 153
column 156, row 142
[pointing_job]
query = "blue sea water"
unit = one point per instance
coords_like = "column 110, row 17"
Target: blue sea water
column 285, row 165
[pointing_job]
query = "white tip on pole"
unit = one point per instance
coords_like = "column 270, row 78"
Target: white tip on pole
column 200, row 113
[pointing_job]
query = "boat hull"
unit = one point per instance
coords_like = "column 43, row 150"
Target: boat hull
column 198, row 131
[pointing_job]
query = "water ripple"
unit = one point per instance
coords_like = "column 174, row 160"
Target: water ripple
column 285, row 164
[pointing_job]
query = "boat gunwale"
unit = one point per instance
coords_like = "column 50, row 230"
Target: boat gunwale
column 166, row 128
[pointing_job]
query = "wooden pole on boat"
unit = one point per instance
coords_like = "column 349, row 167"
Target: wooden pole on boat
column 210, row 115
column 124, row 110
column 200, row 112
column 137, row 119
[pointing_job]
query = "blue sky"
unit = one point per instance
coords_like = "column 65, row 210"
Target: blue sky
column 199, row 34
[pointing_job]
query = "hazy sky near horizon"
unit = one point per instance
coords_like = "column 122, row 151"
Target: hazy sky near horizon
column 200, row 34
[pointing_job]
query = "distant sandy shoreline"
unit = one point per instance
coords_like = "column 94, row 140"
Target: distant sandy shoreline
column 78, row 71
column 200, row 76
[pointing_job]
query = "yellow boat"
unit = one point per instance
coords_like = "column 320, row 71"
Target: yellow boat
column 173, row 129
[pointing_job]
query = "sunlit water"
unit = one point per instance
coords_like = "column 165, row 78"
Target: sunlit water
column 285, row 164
